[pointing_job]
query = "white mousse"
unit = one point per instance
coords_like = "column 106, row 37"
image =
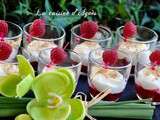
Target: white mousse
column 103, row 79
column 148, row 78
column 35, row 47
column 8, row 68
column 84, row 49
column 132, row 48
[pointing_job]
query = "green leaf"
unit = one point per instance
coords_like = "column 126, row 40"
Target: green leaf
column 145, row 19
column 77, row 4
column 78, row 110
column 8, row 85
column 24, row 86
column 99, row 9
column 64, row 21
column 52, row 82
column 157, row 24
column 122, row 10
column 48, row 7
column 42, row 112
column 25, row 68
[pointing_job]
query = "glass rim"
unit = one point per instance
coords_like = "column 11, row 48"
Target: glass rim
column 111, row 67
column 73, row 66
column 16, row 36
column 45, row 39
column 153, row 39
column 92, row 40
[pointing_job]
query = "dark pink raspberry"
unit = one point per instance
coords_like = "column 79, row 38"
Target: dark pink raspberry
column 58, row 55
column 129, row 30
column 88, row 29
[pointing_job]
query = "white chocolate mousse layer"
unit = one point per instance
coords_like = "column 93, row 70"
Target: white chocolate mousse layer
column 148, row 78
column 8, row 68
column 33, row 48
column 103, row 79
column 132, row 48
column 83, row 49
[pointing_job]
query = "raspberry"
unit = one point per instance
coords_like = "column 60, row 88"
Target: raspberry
column 58, row 55
column 87, row 35
column 3, row 28
column 110, row 57
column 5, row 50
column 88, row 29
column 38, row 28
column 129, row 30
column 155, row 57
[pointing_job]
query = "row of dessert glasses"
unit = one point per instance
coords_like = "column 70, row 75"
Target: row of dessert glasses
column 88, row 51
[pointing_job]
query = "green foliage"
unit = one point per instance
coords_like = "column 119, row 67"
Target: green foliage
column 111, row 12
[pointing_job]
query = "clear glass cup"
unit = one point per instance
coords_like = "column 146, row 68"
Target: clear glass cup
column 45, row 60
column 147, row 77
column 83, row 46
column 13, row 38
column 54, row 37
column 145, row 39
column 101, row 77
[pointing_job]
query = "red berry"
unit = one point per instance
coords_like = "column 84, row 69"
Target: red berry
column 110, row 57
column 88, row 29
column 58, row 55
column 38, row 28
column 87, row 35
column 5, row 50
column 129, row 30
column 155, row 57
column 3, row 28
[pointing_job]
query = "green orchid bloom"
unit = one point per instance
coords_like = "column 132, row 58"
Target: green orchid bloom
column 18, row 84
column 53, row 91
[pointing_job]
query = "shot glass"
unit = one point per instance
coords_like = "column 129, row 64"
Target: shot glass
column 54, row 37
column 45, row 60
column 13, row 38
column 145, row 39
column 147, row 77
column 83, row 46
column 112, row 77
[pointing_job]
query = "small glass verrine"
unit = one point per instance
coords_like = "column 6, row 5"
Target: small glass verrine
column 102, row 77
column 13, row 38
column 83, row 46
column 45, row 63
column 54, row 37
column 144, row 39
column 147, row 77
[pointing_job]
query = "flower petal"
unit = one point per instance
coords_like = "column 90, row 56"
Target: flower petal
column 77, row 109
column 23, row 117
column 71, row 76
column 25, row 68
column 51, row 82
column 24, row 86
column 8, row 85
column 42, row 112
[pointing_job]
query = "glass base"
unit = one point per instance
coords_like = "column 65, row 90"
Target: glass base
column 148, row 94
column 110, row 97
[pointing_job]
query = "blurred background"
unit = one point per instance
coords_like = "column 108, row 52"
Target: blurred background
column 111, row 13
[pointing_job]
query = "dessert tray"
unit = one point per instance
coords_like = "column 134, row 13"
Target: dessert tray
column 43, row 79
